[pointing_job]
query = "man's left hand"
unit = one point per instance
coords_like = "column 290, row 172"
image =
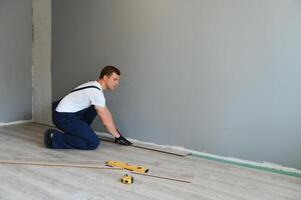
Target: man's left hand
column 122, row 141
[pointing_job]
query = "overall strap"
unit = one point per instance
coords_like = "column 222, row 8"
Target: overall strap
column 85, row 88
column 56, row 103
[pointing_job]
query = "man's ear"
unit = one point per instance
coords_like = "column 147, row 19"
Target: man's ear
column 105, row 77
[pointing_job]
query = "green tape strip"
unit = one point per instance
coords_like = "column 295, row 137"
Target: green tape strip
column 267, row 169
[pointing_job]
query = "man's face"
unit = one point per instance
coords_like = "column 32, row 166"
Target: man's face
column 112, row 81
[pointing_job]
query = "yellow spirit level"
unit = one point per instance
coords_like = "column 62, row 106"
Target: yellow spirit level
column 127, row 166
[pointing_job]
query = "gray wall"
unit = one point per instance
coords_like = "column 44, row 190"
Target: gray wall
column 211, row 75
column 15, row 60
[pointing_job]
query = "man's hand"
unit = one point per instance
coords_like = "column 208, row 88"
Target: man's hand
column 122, row 140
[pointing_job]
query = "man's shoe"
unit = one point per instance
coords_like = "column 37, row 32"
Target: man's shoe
column 122, row 141
column 48, row 137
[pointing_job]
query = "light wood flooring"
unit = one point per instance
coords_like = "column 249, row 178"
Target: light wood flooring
column 209, row 180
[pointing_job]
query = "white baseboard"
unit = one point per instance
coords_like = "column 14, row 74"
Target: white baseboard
column 265, row 166
column 15, row 122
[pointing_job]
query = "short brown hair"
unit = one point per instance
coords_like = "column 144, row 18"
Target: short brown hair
column 108, row 71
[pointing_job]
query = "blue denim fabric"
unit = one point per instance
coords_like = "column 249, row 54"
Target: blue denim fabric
column 77, row 133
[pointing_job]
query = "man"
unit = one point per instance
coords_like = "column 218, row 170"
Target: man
column 75, row 112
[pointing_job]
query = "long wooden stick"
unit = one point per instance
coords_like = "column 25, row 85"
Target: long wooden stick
column 90, row 166
column 50, row 164
column 162, row 177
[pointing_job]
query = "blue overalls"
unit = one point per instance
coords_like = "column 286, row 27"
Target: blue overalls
column 76, row 126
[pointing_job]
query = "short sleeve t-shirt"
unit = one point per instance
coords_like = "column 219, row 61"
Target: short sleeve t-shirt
column 82, row 99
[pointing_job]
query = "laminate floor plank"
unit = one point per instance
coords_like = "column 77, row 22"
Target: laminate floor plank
column 209, row 180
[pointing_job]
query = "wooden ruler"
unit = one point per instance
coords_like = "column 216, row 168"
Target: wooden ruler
column 51, row 164
column 90, row 166
column 162, row 177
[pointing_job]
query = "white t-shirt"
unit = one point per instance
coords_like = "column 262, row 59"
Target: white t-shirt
column 81, row 99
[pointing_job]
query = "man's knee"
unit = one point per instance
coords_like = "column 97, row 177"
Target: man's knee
column 93, row 145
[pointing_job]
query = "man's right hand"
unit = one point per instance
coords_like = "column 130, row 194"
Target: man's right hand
column 122, row 141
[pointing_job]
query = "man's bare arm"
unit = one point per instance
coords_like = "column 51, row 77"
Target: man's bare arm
column 107, row 120
column 109, row 113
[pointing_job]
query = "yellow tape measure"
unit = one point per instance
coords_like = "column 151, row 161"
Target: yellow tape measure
column 126, row 179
